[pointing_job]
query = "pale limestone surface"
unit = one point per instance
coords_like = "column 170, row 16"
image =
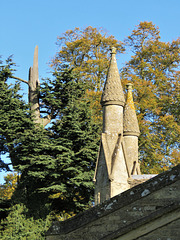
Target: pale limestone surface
column 112, row 119
column 131, row 143
column 118, row 155
column 113, row 92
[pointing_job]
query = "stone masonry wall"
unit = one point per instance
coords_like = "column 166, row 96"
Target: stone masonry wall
column 167, row 232
column 139, row 205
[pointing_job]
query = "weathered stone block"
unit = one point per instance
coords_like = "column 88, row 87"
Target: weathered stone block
column 133, row 212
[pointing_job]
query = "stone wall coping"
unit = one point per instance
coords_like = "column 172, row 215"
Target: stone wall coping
column 117, row 202
column 143, row 176
column 139, row 223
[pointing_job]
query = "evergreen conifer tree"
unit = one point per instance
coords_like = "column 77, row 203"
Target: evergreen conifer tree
column 14, row 116
column 76, row 132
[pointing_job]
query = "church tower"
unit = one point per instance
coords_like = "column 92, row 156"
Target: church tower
column 111, row 171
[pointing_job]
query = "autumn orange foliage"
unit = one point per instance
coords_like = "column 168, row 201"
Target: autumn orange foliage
column 7, row 189
column 87, row 52
column 153, row 68
column 154, row 71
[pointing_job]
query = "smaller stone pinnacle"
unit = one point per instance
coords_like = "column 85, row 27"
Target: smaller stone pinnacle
column 130, row 123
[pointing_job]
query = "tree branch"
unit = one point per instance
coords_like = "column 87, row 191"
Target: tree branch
column 20, row 79
column 44, row 121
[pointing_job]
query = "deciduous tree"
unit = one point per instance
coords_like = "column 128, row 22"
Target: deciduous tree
column 86, row 51
column 154, row 71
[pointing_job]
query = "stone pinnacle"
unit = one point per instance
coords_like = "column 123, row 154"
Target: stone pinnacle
column 113, row 92
column 130, row 122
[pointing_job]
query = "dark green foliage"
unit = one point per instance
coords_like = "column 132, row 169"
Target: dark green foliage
column 77, row 134
column 4, row 208
column 76, row 164
column 18, row 225
column 15, row 125
column 55, row 164
column 14, row 118
column 33, row 153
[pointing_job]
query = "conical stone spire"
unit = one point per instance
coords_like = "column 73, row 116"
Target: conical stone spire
column 111, row 171
column 113, row 92
column 130, row 122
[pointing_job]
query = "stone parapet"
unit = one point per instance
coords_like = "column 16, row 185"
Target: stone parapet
column 138, row 179
column 157, row 198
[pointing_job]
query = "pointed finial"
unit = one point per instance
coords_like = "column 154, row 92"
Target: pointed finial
column 113, row 50
column 129, row 86
column 130, row 122
column 113, row 92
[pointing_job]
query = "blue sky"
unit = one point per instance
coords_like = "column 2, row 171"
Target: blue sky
column 27, row 23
